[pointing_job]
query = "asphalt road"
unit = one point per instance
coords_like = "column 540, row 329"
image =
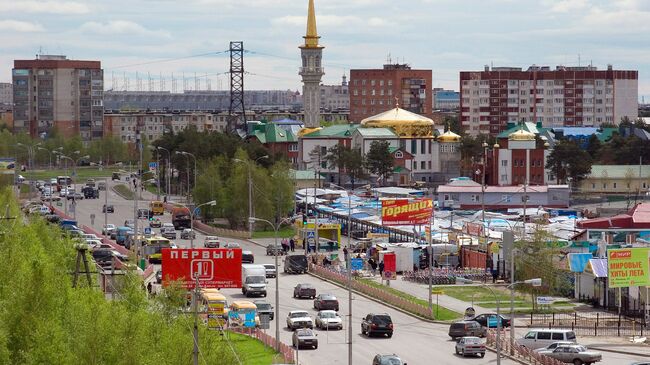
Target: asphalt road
column 417, row 342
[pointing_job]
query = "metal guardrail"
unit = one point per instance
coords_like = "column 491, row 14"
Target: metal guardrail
column 287, row 352
column 520, row 352
column 590, row 324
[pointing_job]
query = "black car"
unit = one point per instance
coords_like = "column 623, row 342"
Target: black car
column 115, row 176
column 273, row 249
column 108, row 209
column 326, row 301
column 264, row 308
column 482, row 319
column 90, row 192
column 304, row 291
column 295, row 264
column 247, row 257
column 377, row 324
column 53, row 218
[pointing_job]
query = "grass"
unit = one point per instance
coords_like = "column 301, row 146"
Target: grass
column 444, row 314
column 254, row 351
column 479, row 294
column 284, row 232
column 124, row 191
column 83, row 173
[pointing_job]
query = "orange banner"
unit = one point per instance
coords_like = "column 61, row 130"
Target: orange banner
column 406, row 212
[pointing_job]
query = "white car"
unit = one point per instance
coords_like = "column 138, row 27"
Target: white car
column 90, row 236
column 94, row 244
column 108, row 229
column 231, row 245
column 299, row 319
column 328, row 319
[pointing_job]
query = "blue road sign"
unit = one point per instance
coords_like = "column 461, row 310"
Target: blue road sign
column 311, row 234
column 147, row 230
column 153, row 165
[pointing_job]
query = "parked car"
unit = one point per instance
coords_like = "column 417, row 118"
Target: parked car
column 299, row 319
column 329, row 319
column 264, row 307
column 274, row 249
column 247, row 257
column 305, row 290
column 187, row 234
column 491, row 318
column 271, row 271
column 304, row 337
column 326, row 301
column 377, row 323
column 387, row 360
column 466, row 328
column 470, row 345
column 211, row 242
column 541, row 337
column 574, row 354
column 108, row 208
column 553, row 346
column 108, row 229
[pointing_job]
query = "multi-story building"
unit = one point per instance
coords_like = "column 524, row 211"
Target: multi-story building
column 566, row 96
column 153, row 125
column 335, row 97
column 445, row 100
column 373, row 91
column 6, row 95
column 53, row 92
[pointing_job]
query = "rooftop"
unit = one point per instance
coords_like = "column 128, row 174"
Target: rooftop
column 334, row 131
column 636, row 218
column 619, row 171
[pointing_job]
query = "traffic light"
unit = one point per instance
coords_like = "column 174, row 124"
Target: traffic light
column 304, row 219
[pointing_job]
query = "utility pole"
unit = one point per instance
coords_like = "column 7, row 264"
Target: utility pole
column 106, row 202
column 195, row 297
column 138, row 141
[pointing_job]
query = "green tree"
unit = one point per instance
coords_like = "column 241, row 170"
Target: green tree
column 354, row 165
column 568, row 160
column 594, row 147
column 336, row 158
column 379, row 160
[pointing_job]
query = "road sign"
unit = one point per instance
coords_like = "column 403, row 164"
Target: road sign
column 357, row 264
column 153, row 166
column 437, row 292
column 545, row 300
column 214, row 267
column 265, row 321
column 311, row 234
column 147, row 230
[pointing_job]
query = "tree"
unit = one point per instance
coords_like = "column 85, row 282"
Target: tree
column 336, row 158
column 354, row 165
column 568, row 160
column 379, row 160
column 593, row 147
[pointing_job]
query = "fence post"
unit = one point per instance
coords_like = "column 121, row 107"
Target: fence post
column 597, row 318
column 531, row 318
column 575, row 317
column 618, row 329
column 553, row 318
column 596, row 328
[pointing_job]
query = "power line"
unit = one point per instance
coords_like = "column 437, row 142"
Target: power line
column 167, row 60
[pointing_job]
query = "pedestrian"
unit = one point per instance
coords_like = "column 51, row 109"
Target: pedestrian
column 165, row 199
column 381, row 268
column 292, row 244
column 345, row 253
column 373, row 265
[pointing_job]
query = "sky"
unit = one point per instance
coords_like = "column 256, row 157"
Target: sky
column 190, row 37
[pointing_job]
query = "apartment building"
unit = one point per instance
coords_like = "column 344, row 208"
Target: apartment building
column 6, row 95
column 373, row 91
column 154, row 125
column 565, row 96
column 445, row 100
column 335, row 97
column 53, row 92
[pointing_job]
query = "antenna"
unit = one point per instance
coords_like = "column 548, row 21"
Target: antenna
column 579, row 60
column 197, row 83
column 184, row 82
column 162, row 83
column 125, row 82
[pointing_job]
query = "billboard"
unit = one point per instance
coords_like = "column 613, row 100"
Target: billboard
column 390, row 266
column 214, row 267
column 628, row 267
column 397, row 212
column 7, row 166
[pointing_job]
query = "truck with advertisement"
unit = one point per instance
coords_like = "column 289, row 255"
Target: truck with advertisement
column 253, row 278
column 181, row 218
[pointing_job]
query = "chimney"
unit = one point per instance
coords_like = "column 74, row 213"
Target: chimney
column 487, row 68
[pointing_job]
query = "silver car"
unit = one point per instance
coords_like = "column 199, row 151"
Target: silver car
column 329, row 319
column 470, row 345
column 574, row 354
column 304, row 337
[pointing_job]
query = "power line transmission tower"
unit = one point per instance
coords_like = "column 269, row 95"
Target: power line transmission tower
column 237, row 111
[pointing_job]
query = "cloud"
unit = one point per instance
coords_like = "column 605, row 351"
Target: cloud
column 122, row 27
column 565, row 6
column 49, row 6
column 331, row 21
column 20, row 26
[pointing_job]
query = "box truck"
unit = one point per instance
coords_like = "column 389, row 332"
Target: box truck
column 253, row 278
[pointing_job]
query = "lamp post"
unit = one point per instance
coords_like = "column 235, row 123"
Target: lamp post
column 250, row 191
column 188, row 155
column 30, row 163
column 211, row 203
column 74, row 173
column 167, row 170
column 276, row 227
column 49, row 152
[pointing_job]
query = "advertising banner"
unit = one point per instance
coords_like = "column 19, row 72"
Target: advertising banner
column 390, row 266
column 357, row 264
column 628, row 267
column 474, row 229
column 7, row 166
column 214, row 267
column 406, row 212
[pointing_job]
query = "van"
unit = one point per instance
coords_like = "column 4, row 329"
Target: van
column 295, row 264
column 466, row 328
column 215, row 305
column 538, row 338
column 157, row 208
column 238, row 312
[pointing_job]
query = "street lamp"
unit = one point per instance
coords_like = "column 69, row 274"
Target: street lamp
column 211, row 203
column 276, row 228
column 250, row 190
column 74, row 173
column 187, row 154
column 49, row 152
column 534, row 282
column 167, row 170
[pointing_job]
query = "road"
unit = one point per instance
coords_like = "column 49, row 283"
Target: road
column 417, row 342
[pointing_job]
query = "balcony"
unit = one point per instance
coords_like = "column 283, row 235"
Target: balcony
column 306, row 70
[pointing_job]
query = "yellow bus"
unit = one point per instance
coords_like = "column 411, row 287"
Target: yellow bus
column 157, row 208
column 152, row 248
column 237, row 313
column 215, row 305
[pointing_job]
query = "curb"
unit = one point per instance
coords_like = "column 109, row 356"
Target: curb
column 119, row 194
column 508, row 356
column 617, row 351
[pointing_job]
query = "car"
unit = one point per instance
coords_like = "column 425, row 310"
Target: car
column 144, row 213
column 305, row 290
column 574, row 354
column 387, row 360
column 470, row 345
column 264, row 308
column 482, row 319
column 90, row 236
column 304, row 338
column 211, row 242
column 326, row 301
column 108, row 208
column 231, row 245
column 155, row 223
column 541, row 337
column 101, row 185
column 466, row 328
column 299, row 319
column 90, row 192
column 108, row 229
column 247, row 257
column 554, row 345
column 295, row 264
column 159, row 276
column 74, row 195
column 377, row 323
column 129, row 223
column 94, row 244
column 271, row 271
column 168, row 233
column 53, row 218
column 115, row 176
column 167, row 225
column 274, row 249
column 187, row 234
column 329, row 319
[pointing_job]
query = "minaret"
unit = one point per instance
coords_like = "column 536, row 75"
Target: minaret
column 311, row 71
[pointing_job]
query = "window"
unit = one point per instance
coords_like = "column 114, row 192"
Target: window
column 399, row 154
column 423, row 146
column 423, row 165
column 504, row 163
column 504, row 177
column 604, row 185
column 506, row 198
column 543, row 335
column 558, row 336
column 614, row 185
column 593, row 186
column 474, row 198
column 414, row 146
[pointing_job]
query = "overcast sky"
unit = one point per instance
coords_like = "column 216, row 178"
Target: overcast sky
column 446, row 36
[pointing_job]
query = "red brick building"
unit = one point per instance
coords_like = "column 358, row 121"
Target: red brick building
column 373, row 91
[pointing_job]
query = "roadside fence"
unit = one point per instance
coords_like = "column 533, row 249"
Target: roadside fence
column 445, row 276
column 590, row 323
column 519, row 352
column 287, row 352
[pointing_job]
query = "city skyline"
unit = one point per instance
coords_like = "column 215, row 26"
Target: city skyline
column 130, row 37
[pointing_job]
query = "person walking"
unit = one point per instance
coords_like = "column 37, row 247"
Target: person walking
column 292, row 244
column 373, row 266
column 345, row 254
column 381, row 268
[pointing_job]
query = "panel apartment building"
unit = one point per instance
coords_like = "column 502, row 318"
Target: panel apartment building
column 55, row 92
column 566, row 96
column 374, row 91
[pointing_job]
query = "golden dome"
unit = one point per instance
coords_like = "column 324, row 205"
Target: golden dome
column 403, row 122
column 521, row 135
column 304, row 131
column 448, row 137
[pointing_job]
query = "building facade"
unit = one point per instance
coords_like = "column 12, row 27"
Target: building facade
column 373, row 91
column 52, row 92
column 633, row 180
column 335, row 97
column 445, row 100
column 311, row 71
column 566, row 96
column 6, row 95
column 154, row 125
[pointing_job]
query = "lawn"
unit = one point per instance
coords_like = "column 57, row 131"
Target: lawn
column 444, row 314
column 478, row 293
column 124, row 191
column 83, row 173
column 284, row 232
column 254, row 351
